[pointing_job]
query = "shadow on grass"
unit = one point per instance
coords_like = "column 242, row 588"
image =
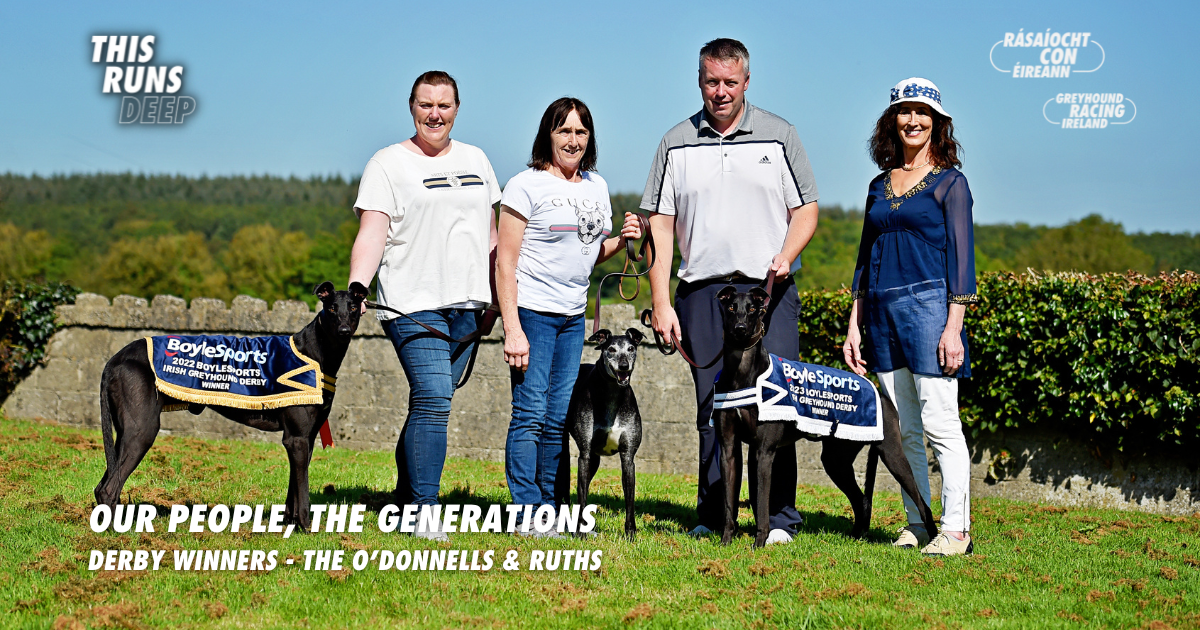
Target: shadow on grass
column 665, row 516
column 821, row 521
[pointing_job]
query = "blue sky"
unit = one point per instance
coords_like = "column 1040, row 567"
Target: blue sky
column 315, row 88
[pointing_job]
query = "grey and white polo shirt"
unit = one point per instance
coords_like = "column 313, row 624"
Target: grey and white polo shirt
column 730, row 195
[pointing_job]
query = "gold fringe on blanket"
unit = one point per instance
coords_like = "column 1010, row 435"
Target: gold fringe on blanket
column 307, row 394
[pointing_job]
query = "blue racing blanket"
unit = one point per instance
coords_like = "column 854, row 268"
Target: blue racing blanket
column 820, row 400
column 240, row 372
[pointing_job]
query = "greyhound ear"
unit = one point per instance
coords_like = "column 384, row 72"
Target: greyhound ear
column 601, row 337
column 358, row 290
column 635, row 335
column 760, row 296
column 727, row 294
column 324, row 290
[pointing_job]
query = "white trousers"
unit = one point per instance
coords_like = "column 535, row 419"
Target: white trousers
column 928, row 407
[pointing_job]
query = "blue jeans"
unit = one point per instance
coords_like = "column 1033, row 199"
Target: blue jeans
column 433, row 367
column 535, row 446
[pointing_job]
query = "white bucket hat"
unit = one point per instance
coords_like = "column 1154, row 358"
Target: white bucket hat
column 921, row 91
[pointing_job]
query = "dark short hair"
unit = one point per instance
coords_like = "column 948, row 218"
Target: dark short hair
column 887, row 151
column 542, row 155
column 725, row 49
column 433, row 77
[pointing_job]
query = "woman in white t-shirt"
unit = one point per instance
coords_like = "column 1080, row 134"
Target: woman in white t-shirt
column 426, row 224
column 555, row 219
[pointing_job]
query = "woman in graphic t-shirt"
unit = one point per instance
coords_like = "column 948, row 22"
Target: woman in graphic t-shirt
column 426, row 223
column 555, row 221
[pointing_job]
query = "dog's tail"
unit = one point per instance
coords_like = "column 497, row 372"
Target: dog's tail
column 106, row 424
column 869, row 483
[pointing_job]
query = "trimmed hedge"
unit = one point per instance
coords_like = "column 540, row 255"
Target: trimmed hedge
column 26, row 324
column 1113, row 359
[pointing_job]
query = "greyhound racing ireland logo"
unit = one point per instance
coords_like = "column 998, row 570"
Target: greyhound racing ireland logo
column 1046, row 54
column 1089, row 111
column 150, row 93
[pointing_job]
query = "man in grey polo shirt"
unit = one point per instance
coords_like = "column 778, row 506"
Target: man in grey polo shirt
column 733, row 182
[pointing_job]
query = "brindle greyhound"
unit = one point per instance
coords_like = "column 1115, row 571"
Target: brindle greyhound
column 130, row 403
column 603, row 415
column 744, row 360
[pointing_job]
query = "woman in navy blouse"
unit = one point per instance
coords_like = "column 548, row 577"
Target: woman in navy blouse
column 914, row 279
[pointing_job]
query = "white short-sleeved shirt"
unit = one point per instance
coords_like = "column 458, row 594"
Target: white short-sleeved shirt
column 568, row 223
column 441, row 212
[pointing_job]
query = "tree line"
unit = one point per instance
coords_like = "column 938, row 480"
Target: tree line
column 275, row 238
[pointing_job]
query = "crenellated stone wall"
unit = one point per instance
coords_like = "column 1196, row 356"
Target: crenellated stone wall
column 372, row 401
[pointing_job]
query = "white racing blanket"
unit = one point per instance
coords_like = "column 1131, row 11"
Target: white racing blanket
column 820, row 400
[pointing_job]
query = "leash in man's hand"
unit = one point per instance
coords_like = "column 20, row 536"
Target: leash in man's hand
column 669, row 347
column 634, row 254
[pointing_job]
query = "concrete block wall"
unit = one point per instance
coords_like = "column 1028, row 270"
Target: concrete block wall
column 372, row 401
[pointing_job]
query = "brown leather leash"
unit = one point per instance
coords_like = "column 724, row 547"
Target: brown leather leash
column 484, row 329
column 632, row 255
column 675, row 345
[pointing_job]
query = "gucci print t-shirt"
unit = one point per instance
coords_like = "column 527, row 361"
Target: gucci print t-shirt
column 441, row 212
column 568, row 222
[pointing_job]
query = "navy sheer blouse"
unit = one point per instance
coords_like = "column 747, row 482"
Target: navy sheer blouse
column 924, row 234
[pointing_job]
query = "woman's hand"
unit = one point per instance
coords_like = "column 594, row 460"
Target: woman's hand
column 950, row 351
column 632, row 230
column 516, row 349
column 851, row 351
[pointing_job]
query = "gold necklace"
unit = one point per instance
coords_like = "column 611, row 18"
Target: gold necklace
column 913, row 168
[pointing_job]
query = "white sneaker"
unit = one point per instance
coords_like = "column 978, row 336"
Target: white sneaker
column 911, row 537
column 436, row 535
column 946, row 545
column 779, row 537
column 700, row 532
column 533, row 533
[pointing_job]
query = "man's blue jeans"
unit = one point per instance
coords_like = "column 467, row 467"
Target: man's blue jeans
column 433, row 367
column 536, row 444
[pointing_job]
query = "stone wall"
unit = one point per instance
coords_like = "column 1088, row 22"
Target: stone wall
column 372, row 401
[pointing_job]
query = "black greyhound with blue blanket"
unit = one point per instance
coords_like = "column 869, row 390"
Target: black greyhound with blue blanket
column 736, row 417
column 135, row 389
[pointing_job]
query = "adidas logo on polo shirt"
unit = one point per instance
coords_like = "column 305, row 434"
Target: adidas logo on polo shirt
column 765, row 160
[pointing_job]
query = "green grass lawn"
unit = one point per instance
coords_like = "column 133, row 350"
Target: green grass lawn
column 1034, row 566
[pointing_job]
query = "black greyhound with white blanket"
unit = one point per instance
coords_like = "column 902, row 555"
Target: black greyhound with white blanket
column 744, row 361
